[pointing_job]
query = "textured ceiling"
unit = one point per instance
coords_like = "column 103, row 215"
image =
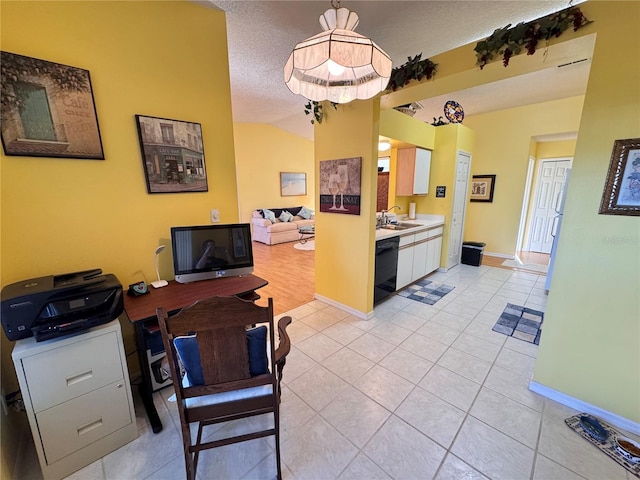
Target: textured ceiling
column 262, row 33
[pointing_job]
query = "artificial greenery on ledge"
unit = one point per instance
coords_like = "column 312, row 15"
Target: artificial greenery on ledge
column 316, row 108
column 414, row 69
column 510, row 41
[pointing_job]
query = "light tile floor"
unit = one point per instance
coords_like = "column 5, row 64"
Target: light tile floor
column 417, row 392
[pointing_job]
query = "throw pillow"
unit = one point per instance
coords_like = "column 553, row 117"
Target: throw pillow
column 187, row 348
column 269, row 215
column 285, row 216
column 305, row 213
column 257, row 346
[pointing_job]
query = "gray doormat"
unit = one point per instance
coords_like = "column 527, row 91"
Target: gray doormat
column 521, row 323
column 426, row 291
column 607, row 444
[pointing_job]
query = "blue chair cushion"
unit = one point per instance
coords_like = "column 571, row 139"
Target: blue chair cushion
column 257, row 346
column 187, row 348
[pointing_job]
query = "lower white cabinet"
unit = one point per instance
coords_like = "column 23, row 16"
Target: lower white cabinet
column 77, row 396
column 418, row 255
column 405, row 261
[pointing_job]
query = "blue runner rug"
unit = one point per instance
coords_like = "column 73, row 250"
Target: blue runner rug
column 520, row 322
column 426, row 291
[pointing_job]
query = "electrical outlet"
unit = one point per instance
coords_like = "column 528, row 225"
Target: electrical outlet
column 5, row 409
column 215, row 215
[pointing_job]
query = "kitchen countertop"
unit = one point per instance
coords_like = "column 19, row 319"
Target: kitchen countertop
column 423, row 222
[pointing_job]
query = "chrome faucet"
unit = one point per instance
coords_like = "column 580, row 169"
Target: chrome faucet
column 384, row 219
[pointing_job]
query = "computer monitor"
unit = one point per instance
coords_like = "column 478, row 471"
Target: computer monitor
column 204, row 252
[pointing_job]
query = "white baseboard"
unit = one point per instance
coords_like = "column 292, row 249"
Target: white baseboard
column 500, row 255
column 564, row 399
column 352, row 311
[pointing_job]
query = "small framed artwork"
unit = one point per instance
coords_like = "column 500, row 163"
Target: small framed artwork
column 172, row 155
column 340, row 186
column 482, row 187
column 47, row 110
column 293, row 184
column 621, row 194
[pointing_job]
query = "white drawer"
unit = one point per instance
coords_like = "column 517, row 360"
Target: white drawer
column 75, row 424
column 434, row 232
column 63, row 373
column 422, row 235
column 406, row 239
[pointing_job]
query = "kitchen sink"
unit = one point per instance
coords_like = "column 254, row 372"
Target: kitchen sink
column 397, row 227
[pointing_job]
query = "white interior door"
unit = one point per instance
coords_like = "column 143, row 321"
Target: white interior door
column 463, row 163
column 550, row 182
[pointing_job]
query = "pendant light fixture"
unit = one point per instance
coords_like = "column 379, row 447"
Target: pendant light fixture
column 338, row 64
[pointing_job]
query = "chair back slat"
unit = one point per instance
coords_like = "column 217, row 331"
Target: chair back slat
column 223, row 354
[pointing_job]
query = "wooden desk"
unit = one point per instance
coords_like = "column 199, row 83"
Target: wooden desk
column 142, row 313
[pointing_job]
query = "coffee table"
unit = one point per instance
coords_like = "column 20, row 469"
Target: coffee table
column 306, row 232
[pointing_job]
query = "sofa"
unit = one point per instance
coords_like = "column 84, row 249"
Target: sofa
column 280, row 231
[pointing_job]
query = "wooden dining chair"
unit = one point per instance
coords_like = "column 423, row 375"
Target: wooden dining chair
column 225, row 346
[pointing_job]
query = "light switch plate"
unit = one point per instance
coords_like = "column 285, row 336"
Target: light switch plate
column 215, row 215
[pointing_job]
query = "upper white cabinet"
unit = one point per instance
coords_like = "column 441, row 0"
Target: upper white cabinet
column 414, row 165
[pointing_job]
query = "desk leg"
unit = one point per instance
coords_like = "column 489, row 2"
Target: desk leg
column 146, row 388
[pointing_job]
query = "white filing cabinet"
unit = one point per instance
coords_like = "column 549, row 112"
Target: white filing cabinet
column 77, row 396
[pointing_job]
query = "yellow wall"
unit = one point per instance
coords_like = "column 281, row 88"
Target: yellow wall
column 165, row 59
column 262, row 152
column 503, row 147
column 345, row 243
column 590, row 346
column 449, row 140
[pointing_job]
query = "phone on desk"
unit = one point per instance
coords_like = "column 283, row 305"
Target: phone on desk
column 137, row 289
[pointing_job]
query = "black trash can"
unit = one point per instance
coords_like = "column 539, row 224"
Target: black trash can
column 472, row 253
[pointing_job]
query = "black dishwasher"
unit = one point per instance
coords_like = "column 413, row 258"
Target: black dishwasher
column 386, row 268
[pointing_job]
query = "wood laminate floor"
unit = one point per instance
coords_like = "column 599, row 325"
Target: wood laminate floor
column 290, row 273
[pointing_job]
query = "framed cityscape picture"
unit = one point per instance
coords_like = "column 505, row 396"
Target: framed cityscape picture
column 172, row 155
column 47, row 109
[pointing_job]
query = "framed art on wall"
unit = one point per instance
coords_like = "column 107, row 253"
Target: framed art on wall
column 621, row 194
column 172, row 155
column 482, row 188
column 47, row 110
column 340, row 186
column 293, row 184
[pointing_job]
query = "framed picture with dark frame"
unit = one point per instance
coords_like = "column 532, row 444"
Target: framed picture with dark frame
column 172, row 155
column 48, row 110
column 482, row 187
column 340, row 190
column 621, row 194
column 292, row 183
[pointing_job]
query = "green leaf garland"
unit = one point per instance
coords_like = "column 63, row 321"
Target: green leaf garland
column 510, row 41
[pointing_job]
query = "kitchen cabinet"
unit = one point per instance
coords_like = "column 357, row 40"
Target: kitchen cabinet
column 405, row 261
column 413, row 168
column 418, row 255
column 434, row 248
column 77, row 397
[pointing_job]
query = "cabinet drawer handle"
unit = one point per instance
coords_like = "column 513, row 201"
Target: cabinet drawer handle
column 81, row 377
column 90, row 426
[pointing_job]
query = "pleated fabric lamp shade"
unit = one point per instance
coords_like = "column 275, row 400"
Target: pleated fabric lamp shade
column 338, row 64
